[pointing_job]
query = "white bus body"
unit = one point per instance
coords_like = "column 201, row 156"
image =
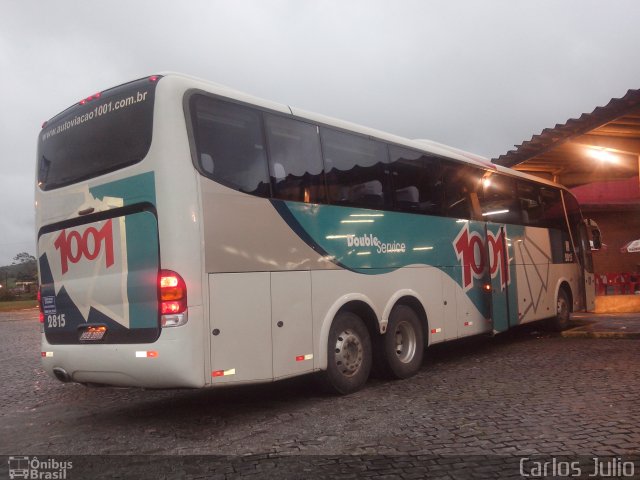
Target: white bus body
column 160, row 268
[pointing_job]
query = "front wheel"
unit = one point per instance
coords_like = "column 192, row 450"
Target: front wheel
column 563, row 308
column 400, row 350
column 348, row 354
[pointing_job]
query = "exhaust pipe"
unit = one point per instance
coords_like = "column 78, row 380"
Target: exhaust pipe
column 61, row 374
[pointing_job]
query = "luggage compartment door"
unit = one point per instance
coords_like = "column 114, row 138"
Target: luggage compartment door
column 291, row 323
column 240, row 325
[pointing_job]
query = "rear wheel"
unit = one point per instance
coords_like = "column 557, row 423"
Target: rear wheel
column 401, row 349
column 348, row 354
column 563, row 308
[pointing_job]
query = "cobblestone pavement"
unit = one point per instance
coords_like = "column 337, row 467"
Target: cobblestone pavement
column 524, row 393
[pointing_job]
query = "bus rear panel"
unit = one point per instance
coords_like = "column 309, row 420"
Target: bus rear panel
column 106, row 303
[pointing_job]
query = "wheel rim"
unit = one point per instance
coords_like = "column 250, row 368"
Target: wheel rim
column 406, row 342
column 563, row 309
column 349, row 352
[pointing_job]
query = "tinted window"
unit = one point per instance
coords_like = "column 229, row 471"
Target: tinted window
column 461, row 183
column 229, row 144
column 100, row 136
column 356, row 170
column 584, row 247
column 578, row 231
column 530, row 204
column 553, row 212
column 573, row 212
column 417, row 181
column 295, row 160
column 498, row 201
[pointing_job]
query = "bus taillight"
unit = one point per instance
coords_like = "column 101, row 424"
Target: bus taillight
column 40, row 305
column 173, row 299
column 95, row 96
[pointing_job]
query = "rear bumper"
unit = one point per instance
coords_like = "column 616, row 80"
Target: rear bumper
column 175, row 360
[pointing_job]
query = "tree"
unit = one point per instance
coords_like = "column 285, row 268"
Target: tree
column 23, row 257
column 23, row 269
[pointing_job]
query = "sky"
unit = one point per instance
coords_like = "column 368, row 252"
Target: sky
column 481, row 75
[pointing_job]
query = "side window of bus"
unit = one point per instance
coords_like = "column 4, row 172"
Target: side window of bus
column 574, row 214
column 530, row 204
column 461, row 184
column 295, row 160
column 553, row 211
column 417, row 181
column 230, row 145
column 356, row 169
column 498, row 200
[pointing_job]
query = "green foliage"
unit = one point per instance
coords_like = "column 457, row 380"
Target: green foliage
column 23, row 269
column 23, row 257
column 6, row 295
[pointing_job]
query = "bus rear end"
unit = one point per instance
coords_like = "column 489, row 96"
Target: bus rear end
column 111, row 314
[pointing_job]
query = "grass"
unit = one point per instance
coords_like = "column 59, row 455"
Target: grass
column 17, row 305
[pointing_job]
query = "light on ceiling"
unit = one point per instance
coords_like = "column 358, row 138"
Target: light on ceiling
column 603, row 155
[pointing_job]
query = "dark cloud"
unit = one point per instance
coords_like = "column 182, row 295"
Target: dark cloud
column 477, row 75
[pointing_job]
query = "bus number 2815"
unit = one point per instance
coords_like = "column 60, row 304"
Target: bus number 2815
column 56, row 321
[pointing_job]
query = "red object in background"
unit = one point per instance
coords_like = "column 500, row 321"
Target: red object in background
column 620, row 283
column 614, row 280
column 630, row 281
column 615, row 192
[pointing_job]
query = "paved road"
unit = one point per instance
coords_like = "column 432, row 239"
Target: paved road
column 523, row 393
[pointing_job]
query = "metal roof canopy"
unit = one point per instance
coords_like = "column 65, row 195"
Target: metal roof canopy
column 567, row 153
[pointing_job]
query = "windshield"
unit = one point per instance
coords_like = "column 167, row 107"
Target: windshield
column 101, row 134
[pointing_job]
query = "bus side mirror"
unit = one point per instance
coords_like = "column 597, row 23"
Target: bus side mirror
column 597, row 241
column 594, row 232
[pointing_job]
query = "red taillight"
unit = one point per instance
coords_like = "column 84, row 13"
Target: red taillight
column 40, row 306
column 173, row 293
column 95, row 96
column 169, row 282
column 169, row 308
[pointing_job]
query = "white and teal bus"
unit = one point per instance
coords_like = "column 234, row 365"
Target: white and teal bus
column 190, row 235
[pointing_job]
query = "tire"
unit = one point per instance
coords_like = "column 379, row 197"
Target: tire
column 348, row 354
column 563, row 308
column 401, row 349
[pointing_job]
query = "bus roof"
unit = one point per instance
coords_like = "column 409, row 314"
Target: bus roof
column 427, row 146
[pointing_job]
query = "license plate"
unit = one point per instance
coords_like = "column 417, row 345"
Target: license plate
column 93, row 333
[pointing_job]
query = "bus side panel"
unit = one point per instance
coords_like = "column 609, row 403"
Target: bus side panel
column 333, row 289
column 540, row 265
column 240, row 322
column 244, row 233
column 469, row 319
column 534, row 266
column 291, row 323
column 450, row 308
column 250, row 312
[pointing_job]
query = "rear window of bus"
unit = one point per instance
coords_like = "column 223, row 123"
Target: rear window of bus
column 102, row 133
